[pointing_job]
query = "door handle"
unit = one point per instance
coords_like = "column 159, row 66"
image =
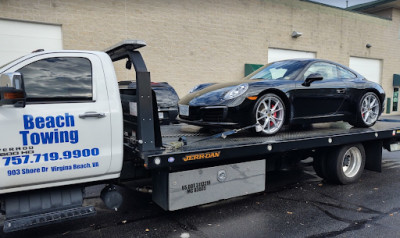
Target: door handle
column 92, row 114
column 341, row 90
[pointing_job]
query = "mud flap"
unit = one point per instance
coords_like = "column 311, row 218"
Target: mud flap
column 373, row 152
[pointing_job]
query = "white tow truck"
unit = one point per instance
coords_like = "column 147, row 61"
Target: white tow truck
column 66, row 125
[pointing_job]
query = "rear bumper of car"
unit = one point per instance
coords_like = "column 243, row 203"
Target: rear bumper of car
column 167, row 115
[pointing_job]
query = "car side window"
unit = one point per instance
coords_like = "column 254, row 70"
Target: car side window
column 58, row 79
column 345, row 74
column 328, row 71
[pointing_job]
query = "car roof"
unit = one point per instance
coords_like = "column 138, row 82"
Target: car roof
column 309, row 60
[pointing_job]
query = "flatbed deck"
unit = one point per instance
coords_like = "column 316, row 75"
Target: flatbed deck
column 199, row 149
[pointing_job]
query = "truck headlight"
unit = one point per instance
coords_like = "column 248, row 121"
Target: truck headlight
column 236, row 91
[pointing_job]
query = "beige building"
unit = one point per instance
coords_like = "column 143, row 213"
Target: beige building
column 191, row 41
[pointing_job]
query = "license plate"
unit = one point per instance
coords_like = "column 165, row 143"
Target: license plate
column 160, row 115
column 184, row 110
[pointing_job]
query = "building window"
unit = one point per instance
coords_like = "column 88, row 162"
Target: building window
column 58, row 79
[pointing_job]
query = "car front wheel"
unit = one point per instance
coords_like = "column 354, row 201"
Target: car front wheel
column 269, row 113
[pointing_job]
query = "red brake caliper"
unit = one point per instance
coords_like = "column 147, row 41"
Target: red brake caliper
column 362, row 114
column 270, row 122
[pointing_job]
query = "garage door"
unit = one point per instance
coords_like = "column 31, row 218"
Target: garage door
column 19, row 38
column 281, row 54
column 369, row 68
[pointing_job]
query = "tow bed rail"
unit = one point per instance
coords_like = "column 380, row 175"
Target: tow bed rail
column 250, row 146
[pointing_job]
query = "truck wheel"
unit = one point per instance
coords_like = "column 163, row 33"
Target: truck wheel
column 319, row 165
column 269, row 112
column 346, row 164
column 367, row 110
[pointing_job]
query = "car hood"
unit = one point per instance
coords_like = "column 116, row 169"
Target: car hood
column 214, row 94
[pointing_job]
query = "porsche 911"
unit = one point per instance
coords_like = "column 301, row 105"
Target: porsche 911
column 288, row 92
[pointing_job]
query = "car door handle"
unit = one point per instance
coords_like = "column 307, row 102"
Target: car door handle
column 92, row 114
column 341, row 90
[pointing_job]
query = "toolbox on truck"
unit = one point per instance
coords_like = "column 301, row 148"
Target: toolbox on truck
column 177, row 190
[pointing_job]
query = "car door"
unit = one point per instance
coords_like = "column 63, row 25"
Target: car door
column 63, row 134
column 321, row 98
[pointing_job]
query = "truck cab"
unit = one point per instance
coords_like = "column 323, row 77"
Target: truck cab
column 63, row 134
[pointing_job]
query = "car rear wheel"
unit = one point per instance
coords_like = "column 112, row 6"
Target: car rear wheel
column 269, row 113
column 368, row 110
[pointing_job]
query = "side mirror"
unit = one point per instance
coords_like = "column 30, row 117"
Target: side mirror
column 311, row 78
column 12, row 89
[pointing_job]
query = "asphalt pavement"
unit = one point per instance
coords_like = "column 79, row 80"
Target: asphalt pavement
column 296, row 203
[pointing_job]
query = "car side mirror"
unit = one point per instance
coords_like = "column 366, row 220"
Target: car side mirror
column 12, row 89
column 311, row 78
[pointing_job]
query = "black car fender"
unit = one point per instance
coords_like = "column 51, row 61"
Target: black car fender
column 284, row 98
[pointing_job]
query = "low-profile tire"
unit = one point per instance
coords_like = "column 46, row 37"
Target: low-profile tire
column 345, row 164
column 269, row 112
column 368, row 110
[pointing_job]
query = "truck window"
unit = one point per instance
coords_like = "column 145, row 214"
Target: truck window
column 58, row 79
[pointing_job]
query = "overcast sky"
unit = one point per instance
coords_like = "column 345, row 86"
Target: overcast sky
column 342, row 3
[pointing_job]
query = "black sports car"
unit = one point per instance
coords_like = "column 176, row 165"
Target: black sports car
column 287, row 92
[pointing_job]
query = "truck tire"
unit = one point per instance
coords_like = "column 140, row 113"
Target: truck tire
column 319, row 165
column 345, row 164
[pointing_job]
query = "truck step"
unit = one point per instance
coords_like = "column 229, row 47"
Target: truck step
column 22, row 223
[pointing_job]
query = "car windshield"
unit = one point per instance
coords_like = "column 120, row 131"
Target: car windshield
column 281, row 70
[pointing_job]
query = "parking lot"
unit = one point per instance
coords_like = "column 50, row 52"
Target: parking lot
column 296, row 204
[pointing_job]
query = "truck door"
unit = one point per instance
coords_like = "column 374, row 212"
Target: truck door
column 63, row 135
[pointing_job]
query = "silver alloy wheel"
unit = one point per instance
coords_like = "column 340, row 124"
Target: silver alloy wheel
column 270, row 114
column 352, row 162
column 370, row 109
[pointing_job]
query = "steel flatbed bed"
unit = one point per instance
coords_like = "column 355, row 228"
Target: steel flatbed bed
column 244, row 145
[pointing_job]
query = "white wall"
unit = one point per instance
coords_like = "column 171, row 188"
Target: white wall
column 371, row 69
column 20, row 38
column 280, row 54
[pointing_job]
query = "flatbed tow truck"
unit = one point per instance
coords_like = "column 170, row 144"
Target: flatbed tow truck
column 188, row 165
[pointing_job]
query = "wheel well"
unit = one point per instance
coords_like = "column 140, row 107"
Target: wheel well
column 284, row 98
column 378, row 95
column 374, row 91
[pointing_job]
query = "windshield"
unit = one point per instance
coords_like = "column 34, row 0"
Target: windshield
column 281, row 70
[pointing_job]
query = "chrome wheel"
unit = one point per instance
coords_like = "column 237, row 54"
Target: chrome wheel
column 370, row 109
column 270, row 113
column 352, row 162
